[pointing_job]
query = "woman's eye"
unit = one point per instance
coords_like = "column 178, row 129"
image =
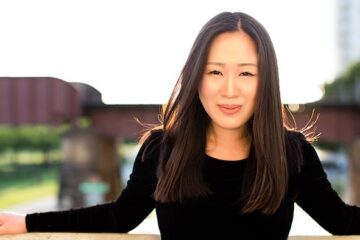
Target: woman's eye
column 247, row 74
column 215, row 72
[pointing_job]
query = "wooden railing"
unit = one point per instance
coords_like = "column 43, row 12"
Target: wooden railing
column 113, row 236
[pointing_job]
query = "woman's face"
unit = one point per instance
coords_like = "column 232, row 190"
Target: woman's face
column 229, row 83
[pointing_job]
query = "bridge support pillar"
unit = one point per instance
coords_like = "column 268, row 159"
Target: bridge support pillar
column 354, row 172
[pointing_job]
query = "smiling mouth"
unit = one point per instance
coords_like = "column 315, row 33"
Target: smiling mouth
column 229, row 109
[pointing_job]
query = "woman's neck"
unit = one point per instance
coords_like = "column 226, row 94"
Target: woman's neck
column 227, row 144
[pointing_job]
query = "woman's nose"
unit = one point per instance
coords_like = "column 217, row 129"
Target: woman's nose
column 229, row 88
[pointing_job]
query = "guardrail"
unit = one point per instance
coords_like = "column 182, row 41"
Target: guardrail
column 117, row 236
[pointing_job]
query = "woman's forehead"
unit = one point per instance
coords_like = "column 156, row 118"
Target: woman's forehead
column 233, row 47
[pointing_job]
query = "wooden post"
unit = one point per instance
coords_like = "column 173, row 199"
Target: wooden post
column 90, row 173
column 354, row 173
column 108, row 166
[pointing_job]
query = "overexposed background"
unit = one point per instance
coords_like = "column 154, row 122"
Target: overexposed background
column 133, row 51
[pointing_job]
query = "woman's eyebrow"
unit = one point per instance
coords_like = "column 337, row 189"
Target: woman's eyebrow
column 239, row 64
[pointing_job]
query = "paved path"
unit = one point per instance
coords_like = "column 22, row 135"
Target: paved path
column 302, row 223
column 38, row 205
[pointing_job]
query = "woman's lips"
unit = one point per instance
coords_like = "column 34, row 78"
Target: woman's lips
column 229, row 108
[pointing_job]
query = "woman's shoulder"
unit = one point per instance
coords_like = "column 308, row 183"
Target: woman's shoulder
column 298, row 139
column 294, row 135
column 151, row 136
column 151, row 143
column 300, row 147
column 296, row 144
column 147, row 157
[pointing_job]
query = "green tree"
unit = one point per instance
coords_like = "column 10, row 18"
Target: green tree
column 7, row 138
column 346, row 87
column 30, row 137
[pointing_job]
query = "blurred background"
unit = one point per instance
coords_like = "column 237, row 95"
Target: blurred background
column 77, row 76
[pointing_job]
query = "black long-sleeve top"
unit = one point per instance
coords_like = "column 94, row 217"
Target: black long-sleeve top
column 216, row 216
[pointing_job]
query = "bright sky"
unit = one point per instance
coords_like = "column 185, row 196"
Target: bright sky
column 133, row 51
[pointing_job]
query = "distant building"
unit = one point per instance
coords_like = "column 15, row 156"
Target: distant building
column 348, row 32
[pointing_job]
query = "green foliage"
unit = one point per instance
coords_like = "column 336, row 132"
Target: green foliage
column 328, row 145
column 7, row 138
column 344, row 85
column 84, row 122
column 39, row 137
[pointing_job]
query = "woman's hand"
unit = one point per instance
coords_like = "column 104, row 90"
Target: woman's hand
column 12, row 223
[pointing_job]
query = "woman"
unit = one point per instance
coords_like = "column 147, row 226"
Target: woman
column 222, row 164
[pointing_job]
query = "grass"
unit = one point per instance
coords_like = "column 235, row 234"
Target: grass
column 26, row 182
column 28, row 157
column 13, row 196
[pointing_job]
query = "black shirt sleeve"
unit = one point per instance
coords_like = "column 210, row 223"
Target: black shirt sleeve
column 128, row 211
column 321, row 202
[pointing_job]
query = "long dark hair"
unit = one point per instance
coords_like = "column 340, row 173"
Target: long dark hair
column 185, row 122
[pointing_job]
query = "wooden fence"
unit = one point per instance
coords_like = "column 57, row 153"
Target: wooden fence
column 111, row 236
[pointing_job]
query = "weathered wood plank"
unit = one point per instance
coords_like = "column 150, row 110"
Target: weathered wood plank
column 79, row 236
column 116, row 236
column 324, row 238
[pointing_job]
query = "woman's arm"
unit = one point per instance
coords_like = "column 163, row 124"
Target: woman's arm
column 12, row 223
column 321, row 202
